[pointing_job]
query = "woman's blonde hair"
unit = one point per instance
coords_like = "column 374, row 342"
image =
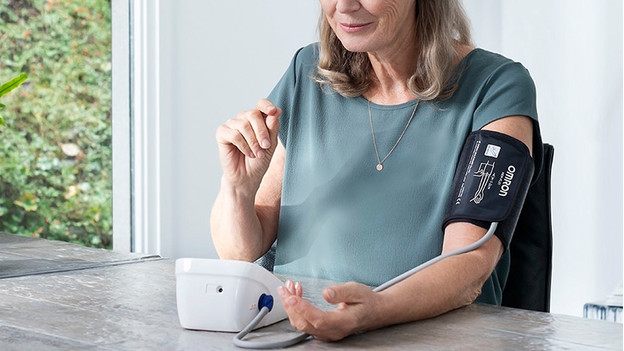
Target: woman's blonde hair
column 440, row 26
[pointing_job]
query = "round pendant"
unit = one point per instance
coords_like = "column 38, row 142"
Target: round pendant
column 379, row 167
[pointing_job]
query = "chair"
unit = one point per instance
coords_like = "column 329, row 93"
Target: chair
column 528, row 282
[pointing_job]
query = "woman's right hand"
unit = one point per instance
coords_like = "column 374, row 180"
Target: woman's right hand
column 246, row 145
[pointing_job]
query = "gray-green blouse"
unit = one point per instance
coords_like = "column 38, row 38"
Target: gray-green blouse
column 343, row 220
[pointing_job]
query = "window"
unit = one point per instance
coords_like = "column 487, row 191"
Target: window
column 56, row 149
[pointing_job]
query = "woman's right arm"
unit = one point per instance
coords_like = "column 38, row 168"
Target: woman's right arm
column 245, row 215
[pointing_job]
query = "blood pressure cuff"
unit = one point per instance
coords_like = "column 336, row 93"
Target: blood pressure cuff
column 491, row 181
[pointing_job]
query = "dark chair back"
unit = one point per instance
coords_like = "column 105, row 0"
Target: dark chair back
column 528, row 283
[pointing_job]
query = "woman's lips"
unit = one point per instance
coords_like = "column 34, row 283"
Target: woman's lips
column 353, row 27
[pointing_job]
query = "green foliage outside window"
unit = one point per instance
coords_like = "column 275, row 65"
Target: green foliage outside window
column 55, row 146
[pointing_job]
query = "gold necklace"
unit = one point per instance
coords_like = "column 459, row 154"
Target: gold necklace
column 380, row 162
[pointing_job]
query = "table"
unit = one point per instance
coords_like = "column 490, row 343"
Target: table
column 66, row 297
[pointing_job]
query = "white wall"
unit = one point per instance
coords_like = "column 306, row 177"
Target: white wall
column 219, row 57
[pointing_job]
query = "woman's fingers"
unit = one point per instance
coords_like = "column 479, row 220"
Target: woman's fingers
column 247, row 143
column 250, row 129
column 266, row 107
column 349, row 293
column 227, row 136
column 298, row 289
column 271, row 121
column 303, row 316
column 294, row 288
column 254, row 131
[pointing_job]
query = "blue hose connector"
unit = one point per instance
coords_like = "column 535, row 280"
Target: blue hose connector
column 265, row 301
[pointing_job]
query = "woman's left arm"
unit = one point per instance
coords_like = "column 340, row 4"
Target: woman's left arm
column 449, row 284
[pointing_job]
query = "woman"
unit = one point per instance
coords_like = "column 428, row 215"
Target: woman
column 349, row 162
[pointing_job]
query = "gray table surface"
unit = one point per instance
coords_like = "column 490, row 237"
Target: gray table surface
column 101, row 300
column 21, row 255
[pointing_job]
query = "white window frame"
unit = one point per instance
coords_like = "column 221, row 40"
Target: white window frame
column 122, row 183
column 138, row 143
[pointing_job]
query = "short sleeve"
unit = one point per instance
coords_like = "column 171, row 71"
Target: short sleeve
column 283, row 95
column 510, row 91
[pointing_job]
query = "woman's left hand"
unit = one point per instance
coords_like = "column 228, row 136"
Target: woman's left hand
column 357, row 309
